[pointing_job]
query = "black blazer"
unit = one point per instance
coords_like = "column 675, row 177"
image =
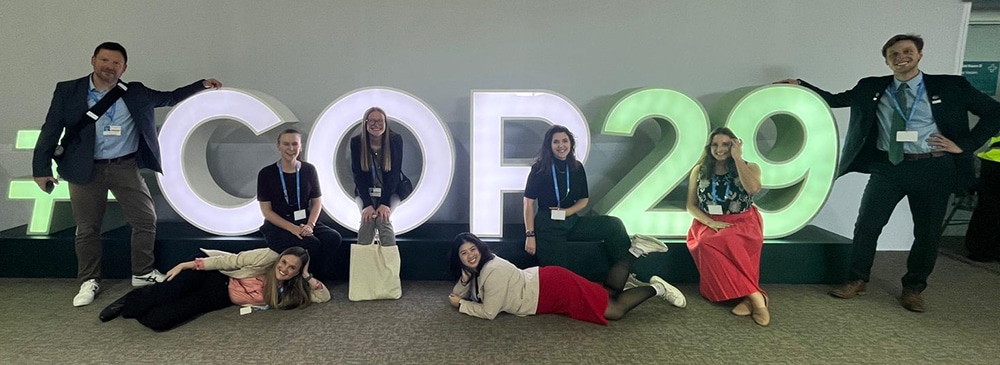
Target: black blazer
column 363, row 180
column 69, row 102
column 951, row 97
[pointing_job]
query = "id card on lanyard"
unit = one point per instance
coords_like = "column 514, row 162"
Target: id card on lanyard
column 559, row 214
column 300, row 213
column 374, row 192
column 907, row 135
column 110, row 129
column 715, row 207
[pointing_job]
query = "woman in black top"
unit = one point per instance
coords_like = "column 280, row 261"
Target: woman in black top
column 555, row 192
column 376, row 160
column 290, row 201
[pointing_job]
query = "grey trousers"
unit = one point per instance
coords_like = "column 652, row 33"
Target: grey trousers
column 367, row 231
column 89, row 202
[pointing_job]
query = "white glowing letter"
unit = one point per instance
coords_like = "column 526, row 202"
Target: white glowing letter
column 432, row 136
column 186, row 182
column 489, row 177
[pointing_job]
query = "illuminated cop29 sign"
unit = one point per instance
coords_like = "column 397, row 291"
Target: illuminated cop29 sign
column 798, row 170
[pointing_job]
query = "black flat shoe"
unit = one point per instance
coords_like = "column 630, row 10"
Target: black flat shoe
column 113, row 310
column 981, row 258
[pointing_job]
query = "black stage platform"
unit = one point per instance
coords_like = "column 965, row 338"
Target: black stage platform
column 812, row 255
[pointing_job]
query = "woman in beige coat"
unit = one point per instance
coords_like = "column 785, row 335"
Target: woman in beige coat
column 489, row 285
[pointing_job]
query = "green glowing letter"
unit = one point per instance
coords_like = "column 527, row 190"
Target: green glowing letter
column 634, row 198
column 799, row 170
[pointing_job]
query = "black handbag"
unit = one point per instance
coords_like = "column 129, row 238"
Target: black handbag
column 405, row 187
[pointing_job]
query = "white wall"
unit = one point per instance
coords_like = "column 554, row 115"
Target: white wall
column 308, row 53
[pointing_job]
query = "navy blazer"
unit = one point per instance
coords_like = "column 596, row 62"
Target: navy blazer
column 69, row 102
column 390, row 180
column 951, row 98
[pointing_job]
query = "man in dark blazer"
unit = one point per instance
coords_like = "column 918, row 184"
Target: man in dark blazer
column 910, row 131
column 107, row 155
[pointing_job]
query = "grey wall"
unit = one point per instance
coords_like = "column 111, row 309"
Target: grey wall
column 308, row 53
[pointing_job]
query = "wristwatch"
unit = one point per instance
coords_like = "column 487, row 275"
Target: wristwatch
column 529, row 234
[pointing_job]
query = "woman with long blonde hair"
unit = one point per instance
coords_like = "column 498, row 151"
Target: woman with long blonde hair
column 259, row 278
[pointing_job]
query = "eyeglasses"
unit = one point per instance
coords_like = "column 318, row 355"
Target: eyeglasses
column 374, row 121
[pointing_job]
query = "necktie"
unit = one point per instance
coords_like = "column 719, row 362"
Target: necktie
column 898, row 124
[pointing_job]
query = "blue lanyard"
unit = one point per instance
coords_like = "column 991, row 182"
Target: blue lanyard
column 373, row 168
column 92, row 95
column 555, row 185
column 715, row 195
column 913, row 108
column 284, row 188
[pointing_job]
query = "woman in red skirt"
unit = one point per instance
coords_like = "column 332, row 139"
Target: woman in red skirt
column 489, row 285
column 726, row 235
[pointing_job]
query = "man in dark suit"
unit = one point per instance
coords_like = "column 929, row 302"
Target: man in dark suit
column 910, row 131
column 107, row 155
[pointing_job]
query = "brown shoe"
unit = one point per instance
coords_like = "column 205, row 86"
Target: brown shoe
column 911, row 300
column 849, row 290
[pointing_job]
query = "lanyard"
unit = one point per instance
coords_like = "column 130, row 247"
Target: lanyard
column 913, row 108
column 715, row 195
column 284, row 188
column 373, row 168
column 92, row 95
column 555, row 185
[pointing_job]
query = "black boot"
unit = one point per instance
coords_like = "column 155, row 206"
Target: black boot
column 113, row 310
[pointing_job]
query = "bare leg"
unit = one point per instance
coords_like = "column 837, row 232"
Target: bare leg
column 760, row 314
column 744, row 308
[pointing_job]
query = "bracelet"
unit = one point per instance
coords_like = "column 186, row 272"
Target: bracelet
column 529, row 234
column 307, row 278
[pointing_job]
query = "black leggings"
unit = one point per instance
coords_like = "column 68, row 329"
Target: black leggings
column 321, row 246
column 166, row 305
column 622, row 301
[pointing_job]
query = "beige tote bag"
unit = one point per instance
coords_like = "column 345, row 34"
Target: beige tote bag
column 374, row 273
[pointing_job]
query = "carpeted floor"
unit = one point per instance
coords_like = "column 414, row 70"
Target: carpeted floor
column 38, row 325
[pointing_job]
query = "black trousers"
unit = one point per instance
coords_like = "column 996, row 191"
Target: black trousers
column 166, row 305
column 983, row 237
column 927, row 185
column 610, row 230
column 322, row 246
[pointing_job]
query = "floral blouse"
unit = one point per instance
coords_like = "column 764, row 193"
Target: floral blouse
column 725, row 190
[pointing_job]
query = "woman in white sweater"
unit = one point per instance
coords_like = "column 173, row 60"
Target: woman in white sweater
column 489, row 285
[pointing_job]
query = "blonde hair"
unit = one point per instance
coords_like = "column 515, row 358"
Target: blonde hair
column 365, row 143
column 297, row 290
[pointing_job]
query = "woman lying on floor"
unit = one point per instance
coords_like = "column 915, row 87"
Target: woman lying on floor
column 258, row 277
column 489, row 285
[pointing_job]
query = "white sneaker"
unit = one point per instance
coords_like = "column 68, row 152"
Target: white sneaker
column 150, row 278
column 88, row 290
column 647, row 244
column 633, row 282
column 670, row 293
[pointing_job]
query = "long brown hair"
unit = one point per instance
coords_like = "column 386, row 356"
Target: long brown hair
column 365, row 144
column 545, row 155
column 296, row 293
column 708, row 162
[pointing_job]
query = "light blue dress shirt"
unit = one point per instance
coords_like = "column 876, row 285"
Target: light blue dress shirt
column 111, row 146
column 922, row 121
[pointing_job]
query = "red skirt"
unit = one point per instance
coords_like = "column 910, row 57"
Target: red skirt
column 728, row 260
column 561, row 291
